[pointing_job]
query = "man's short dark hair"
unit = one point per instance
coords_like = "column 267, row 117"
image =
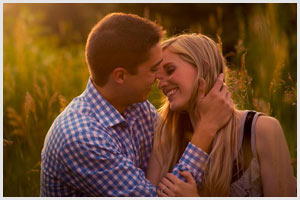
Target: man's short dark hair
column 119, row 40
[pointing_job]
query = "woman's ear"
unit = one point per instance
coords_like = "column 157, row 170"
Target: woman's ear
column 201, row 87
column 119, row 74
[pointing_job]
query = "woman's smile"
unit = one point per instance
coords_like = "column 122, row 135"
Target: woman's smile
column 170, row 92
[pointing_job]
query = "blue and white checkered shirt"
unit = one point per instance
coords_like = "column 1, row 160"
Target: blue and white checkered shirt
column 93, row 150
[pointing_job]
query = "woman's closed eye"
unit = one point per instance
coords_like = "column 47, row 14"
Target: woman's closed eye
column 169, row 69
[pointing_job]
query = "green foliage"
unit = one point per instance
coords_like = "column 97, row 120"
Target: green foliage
column 40, row 78
column 42, row 73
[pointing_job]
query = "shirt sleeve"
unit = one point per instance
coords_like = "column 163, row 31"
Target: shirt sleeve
column 194, row 160
column 100, row 169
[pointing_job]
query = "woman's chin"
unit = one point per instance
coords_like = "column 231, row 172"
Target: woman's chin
column 177, row 107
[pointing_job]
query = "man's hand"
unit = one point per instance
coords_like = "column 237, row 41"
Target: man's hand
column 212, row 112
column 216, row 107
column 172, row 186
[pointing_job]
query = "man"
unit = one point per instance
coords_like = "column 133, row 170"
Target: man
column 100, row 144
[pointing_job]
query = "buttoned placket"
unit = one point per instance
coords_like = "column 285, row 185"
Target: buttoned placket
column 130, row 146
column 134, row 141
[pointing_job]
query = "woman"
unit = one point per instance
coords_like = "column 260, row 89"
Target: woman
column 248, row 157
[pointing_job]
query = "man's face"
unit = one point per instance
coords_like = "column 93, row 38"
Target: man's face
column 139, row 85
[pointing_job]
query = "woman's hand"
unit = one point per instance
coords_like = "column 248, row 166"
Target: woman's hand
column 172, row 186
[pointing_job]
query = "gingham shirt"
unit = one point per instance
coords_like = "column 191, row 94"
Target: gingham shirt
column 93, row 150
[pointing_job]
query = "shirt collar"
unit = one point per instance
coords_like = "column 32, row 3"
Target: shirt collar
column 106, row 113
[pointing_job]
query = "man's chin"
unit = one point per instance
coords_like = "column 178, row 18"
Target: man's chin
column 140, row 100
column 144, row 99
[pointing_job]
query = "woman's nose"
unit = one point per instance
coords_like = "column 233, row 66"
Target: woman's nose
column 158, row 75
column 162, row 83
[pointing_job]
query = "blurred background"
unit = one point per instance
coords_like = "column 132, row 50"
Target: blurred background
column 44, row 67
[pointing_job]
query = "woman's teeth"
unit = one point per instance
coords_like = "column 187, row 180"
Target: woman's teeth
column 171, row 92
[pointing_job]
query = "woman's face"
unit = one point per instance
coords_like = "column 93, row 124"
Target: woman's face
column 176, row 80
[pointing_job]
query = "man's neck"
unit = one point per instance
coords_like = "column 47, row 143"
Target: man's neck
column 111, row 95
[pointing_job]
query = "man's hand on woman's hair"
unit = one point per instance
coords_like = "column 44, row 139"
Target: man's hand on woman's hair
column 214, row 110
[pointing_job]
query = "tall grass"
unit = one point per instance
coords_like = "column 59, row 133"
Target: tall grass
column 268, row 67
column 41, row 78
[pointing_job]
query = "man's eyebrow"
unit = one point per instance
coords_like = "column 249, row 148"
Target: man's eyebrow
column 157, row 63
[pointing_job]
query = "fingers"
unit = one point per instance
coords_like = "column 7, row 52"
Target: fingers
column 168, row 187
column 160, row 193
column 229, row 99
column 224, row 89
column 226, row 95
column 167, row 183
column 165, row 189
column 173, row 183
column 188, row 176
column 219, row 83
column 174, row 179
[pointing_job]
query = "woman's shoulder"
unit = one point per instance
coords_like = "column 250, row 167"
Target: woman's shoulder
column 268, row 136
column 264, row 124
column 268, row 131
column 267, row 126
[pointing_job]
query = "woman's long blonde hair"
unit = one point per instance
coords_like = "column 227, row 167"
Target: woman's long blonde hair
column 173, row 127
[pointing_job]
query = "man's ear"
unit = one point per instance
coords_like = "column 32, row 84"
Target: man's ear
column 119, row 74
column 201, row 88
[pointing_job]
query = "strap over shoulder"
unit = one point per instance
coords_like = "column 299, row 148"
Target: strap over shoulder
column 246, row 148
